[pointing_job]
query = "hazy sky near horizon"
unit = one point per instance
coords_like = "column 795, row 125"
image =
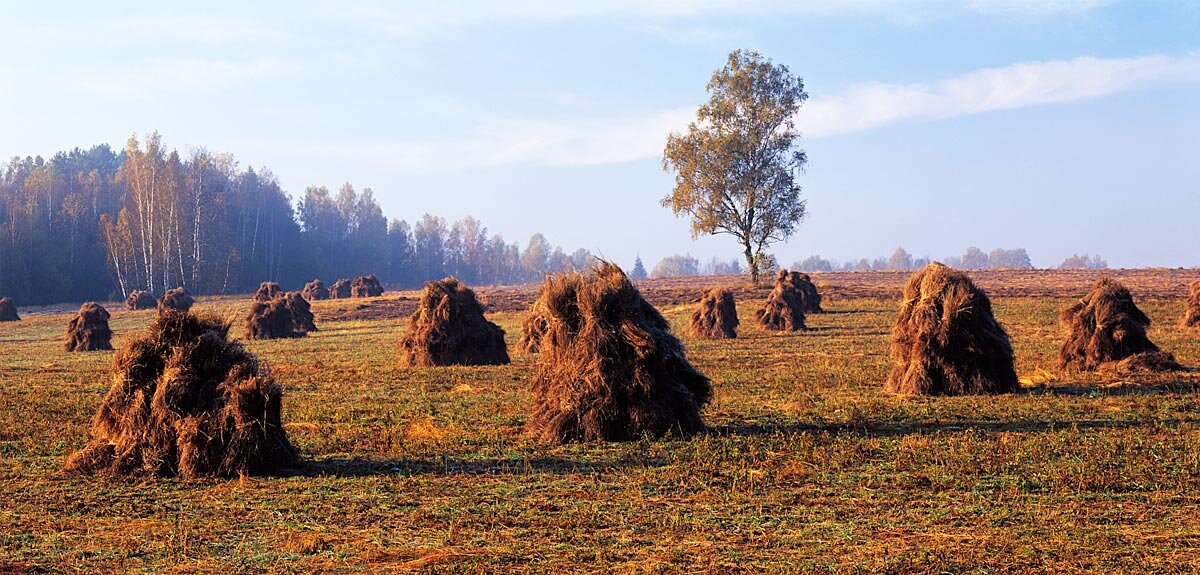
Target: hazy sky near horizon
column 1053, row 125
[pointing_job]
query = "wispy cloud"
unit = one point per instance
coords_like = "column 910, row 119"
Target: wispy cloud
column 870, row 105
column 146, row 79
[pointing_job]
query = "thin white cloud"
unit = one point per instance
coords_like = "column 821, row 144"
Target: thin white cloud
column 184, row 74
column 869, row 105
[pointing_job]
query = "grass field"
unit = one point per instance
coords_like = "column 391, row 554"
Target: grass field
column 809, row 466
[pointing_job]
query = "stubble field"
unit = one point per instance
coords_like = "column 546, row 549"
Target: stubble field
column 809, row 467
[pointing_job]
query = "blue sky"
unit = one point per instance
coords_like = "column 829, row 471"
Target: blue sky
column 1057, row 126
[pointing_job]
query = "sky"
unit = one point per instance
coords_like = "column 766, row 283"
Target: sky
column 1060, row 127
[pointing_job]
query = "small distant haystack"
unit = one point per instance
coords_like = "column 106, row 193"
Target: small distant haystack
column 315, row 290
column 610, row 368
column 88, row 330
column 271, row 320
column 340, row 289
column 808, row 292
column 368, row 286
column 1107, row 331
column 716, row 316
column 177, row 299
column 140, row 300
column 1191, row 315
column 8, row 310
column 267, row 291
column 785, row 305
column 449, row 328
column 536, row 323
column 301, row 312
column 187, row 401
column 947, row 341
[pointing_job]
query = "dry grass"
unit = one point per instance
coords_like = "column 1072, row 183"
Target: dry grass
column 810, row 467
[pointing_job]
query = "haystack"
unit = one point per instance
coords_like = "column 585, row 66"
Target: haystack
column 535, row 324
column 808, row 292
column 946, row 340
column 1106, row 327
column 8, row 310
column 449, row 328
column 271, row 320
column 785, row 305
column 340, row 289
column 140, row 300
column 610, row 368
column 716, row 316
column 177, row 299
column 302, row 313
column 267, row 291
column 315, row 290
column 187, row 401
column 1191, row 314
column 368, row 286
column 88, row 330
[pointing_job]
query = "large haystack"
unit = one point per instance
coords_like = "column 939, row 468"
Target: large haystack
column 315, row 290
column 1191, row 313
column 8, row 310
column 187, row 401
column 785, row 305
column 177, row 299
column 448, row 328
column 946, row 340
column 535, row 324
column 301, row 312
column 808, row 292
column 267, row 291
column 271, row 320
column 368, row 286
column 340, row 289
column 1106, row 327
column 716, row 316
column 140, row 300
column 88, row 330
column 610, row 368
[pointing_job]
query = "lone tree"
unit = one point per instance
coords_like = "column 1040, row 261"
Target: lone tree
column 736, row 166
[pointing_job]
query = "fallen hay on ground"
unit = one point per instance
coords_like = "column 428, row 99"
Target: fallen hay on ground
column 88, row 330
column 785, row 305
column 187, row 401
column 610, row 369
column 449, row 328
column 315, row 290
column 177, row 299
column 368, row 286
column 8, row 310
column 1107, row 331
column 140, row 300
column 946, row 340
column 716, row 315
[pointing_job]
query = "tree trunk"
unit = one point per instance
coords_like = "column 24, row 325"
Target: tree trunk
column 750, row 264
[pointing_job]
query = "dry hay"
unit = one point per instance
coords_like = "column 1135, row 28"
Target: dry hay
column 271, row 320
column 301, row 312
column 315, row 290
column 1191, row 314
column 139, row 299
column 187, row 401
column 1107, row 331
column 808, row 292
column 340, row 289
column 610, row 368
column 267, row 291
column 177, row 299
column 535, row 324
column 449, row 328
column 368, row 286
column 946, row 340
column 88, row 330
column 8, row 310
column 716, row 316
column 785, row 305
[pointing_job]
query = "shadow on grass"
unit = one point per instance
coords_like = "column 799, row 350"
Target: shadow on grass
column 356, row 467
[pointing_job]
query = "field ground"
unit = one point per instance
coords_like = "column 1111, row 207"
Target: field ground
column 809, row 467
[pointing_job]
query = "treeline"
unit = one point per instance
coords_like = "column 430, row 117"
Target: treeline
column 972, row 259
column 686, row 265
column 97, row 224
